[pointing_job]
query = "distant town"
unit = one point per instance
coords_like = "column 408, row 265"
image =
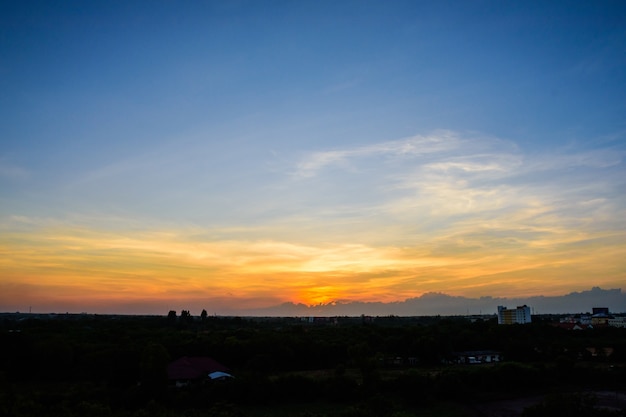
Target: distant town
column 598, row 317
column 179, row 363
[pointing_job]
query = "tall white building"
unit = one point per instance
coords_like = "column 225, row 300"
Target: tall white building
column 520, row 315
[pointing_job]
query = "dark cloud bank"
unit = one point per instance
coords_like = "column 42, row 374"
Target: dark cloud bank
column 441, row 304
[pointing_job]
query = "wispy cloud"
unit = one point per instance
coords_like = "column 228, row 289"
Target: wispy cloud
column 465, row 215
column 411, row 147
column 571, row 158
column 442, row 185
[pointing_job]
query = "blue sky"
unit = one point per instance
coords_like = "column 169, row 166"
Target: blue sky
column 349, row 144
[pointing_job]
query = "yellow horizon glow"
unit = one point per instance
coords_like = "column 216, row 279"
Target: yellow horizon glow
column 66, row 264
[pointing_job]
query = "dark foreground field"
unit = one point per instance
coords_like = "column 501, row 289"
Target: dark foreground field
column 88, row 365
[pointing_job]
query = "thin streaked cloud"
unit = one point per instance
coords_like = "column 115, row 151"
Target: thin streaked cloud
column 265, row 160
column 410, row 147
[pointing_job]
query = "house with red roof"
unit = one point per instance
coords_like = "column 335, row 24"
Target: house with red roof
column 196, row 368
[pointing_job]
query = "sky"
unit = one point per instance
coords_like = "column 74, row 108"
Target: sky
column 227, row 155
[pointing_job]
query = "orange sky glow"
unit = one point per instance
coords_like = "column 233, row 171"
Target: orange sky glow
column 95, row 270
column 238, row 157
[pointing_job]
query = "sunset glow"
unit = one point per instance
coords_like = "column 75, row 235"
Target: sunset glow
column 233, row 156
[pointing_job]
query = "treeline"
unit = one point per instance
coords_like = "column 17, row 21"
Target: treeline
column 129, row 348
column 102, row 365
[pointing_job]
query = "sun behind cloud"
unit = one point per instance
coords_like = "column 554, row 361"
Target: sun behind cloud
column 442, row 213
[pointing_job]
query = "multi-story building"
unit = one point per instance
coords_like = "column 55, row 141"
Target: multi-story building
column 617, row 321
column 600, row 316
column 520, row 315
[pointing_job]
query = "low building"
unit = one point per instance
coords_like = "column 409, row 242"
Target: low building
column 573, row 326
column 519, row 315
column 473, row 357
column 187, row 369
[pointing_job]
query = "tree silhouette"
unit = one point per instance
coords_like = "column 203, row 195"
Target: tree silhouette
column 185, row 316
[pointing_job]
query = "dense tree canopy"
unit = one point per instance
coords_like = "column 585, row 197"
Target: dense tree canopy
column 119, row 362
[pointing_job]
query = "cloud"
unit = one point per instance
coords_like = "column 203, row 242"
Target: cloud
column 410, row 147
column 567, row 159
column 451, row 188
column 464, row 214
column 435, row 303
